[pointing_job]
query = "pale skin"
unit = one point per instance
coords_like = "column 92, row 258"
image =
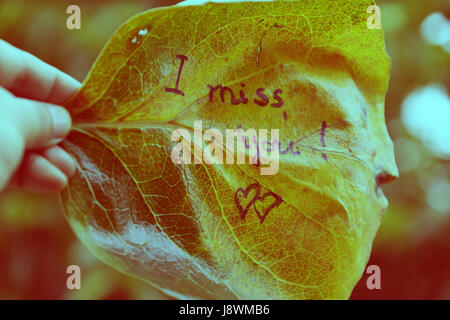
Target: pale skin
column 32, row 124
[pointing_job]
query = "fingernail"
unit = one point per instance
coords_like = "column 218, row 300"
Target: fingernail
column 61, row 121
column 56, row 141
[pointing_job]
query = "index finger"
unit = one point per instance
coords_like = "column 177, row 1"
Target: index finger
column 26, row 76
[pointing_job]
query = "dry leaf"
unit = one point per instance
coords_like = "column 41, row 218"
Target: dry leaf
column 226, row 231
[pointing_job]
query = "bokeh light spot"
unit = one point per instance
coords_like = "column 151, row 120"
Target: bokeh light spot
column 435, row 29
column 426, row 115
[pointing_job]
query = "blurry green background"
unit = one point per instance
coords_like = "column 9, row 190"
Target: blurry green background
column 412, row 247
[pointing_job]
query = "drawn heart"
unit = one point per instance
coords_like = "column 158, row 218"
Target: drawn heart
column 276, row 203
column 243, row 212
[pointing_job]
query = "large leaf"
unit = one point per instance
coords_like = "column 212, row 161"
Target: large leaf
column 226, row 231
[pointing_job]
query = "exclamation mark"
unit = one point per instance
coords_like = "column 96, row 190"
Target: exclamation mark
column 322, row 139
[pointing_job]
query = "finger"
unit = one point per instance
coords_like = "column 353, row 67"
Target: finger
column 55, row 155
column 37, row 123
column 28, row 77
column 38, row 175
column 60, row 159
column 12, row 151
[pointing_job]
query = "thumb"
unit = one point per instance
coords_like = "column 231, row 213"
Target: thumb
column 39, row 124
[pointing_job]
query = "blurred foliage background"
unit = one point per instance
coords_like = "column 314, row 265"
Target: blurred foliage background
column 412, row 247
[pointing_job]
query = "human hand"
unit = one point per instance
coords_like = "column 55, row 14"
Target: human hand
column 31, row 123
